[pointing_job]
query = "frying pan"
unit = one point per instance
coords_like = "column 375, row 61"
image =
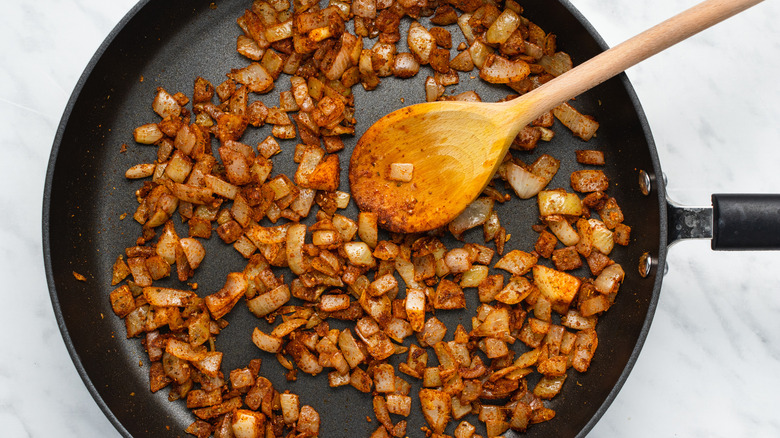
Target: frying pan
column 169, row 43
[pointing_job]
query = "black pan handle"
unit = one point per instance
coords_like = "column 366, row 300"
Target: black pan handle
column 735, row 222
column 745, row 222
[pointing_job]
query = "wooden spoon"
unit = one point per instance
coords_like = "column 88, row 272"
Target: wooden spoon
column 456, row 147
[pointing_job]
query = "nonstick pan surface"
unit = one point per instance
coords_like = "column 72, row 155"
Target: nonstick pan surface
column 167, row 44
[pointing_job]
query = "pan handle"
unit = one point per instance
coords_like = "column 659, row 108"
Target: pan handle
column 734, row 222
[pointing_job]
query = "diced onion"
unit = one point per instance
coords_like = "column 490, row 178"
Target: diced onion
column 499, row 70
column 474, row 215
column 609, row 279
column 581, row 125
column 525, row 184
column 502, row 27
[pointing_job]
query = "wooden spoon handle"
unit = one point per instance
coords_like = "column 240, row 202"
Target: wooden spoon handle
column 617, row 59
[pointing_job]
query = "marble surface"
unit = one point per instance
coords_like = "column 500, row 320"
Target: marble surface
column 709, row 365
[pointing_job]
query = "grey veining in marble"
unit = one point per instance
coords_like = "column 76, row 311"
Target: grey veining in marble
column 710, row 364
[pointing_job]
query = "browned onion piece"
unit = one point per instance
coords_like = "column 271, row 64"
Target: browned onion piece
column 474, row 215
column 254, row 76
column 499, row 70
column 525, row 184
column 581, row 125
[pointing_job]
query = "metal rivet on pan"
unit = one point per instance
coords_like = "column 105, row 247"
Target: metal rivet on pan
column 645, row 264
column 644, row 182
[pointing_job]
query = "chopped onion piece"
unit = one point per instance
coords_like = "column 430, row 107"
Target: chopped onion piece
column 457, row 260
column 364, row 8
column 517, row 262
column 401, row 172
column 140, row 171
column 254, row 76
column 265, row 342
column 436, row 407
column 499, row 70
column 525, row 184
column 165, row 105
column 601, row 237
column 296, row 234
column 147, row 134
column 609, row 279
column 556, row 286
column 465, row 27
column 581, row 125
column 502, row 27
column 559, row 202
column 359, row 254
column 479, row 53
column 562, row 229
column 557, row 64
column 405, row 65
column 474, row 215
column 462, row 61
column 421, row 42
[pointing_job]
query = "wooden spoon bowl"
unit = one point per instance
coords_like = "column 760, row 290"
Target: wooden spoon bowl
column 440, row 139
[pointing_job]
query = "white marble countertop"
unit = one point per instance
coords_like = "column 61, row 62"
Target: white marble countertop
column 710, row 364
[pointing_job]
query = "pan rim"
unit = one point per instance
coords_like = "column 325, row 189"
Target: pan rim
column 658, row 264
column 46, row 215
